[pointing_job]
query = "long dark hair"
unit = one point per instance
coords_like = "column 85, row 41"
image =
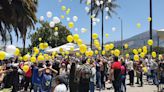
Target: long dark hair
column 72, row 70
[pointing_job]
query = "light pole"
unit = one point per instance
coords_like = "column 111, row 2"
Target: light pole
column 91, row 23
column 150, row 25
column 122, row 47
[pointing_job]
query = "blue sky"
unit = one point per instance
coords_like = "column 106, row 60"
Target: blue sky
column 131, row 12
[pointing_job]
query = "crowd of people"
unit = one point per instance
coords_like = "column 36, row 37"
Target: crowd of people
column 79, row 74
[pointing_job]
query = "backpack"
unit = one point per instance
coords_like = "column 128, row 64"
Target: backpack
column 86, row 72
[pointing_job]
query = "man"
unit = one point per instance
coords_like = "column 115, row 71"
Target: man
column 85, row 74
column 116, row 75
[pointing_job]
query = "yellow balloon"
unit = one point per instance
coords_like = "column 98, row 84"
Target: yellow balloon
column 126, row 46
column 61, row 49
column 20, row 58
column 90, row 53
column 17, row 52
column 2, row 55
column 70, row 24
column 127, row 55
column 136, row 57
column 145, row 51
column 87, row 53
column 79, row 41
column 54, row 53
column 62, row 17
column 75, row 37
column 150, row 42
column 111, row 46
column 45, row 45
column 107, row 35
column 83, row 48
column 96, row 52
column 40, row 39
column 112, row 52
column 40, row 57
column 97, row 44
column 138, row 25
column 72, row 49
column 145, row 70
column 77, row 54
column 63, row 8
column 36, row 51
column 69, row 38
column 66, row 52
column 99, row 48
column 41, row 46
column 142, row 54
column 25, row 57
column 135, row 51
column 107, row 47
column 116, row 52
column 103, row 52
column 26, row 68
column 154, row 54
column 95, row 36
column 56, row 28
column 68, row 11
column 33, row 59
column 35, row 48
column 144, row 48
column 149, row 19
column 139, row 50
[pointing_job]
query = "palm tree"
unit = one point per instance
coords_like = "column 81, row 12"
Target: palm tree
column 99, row 8
column 91, row 20
column 17, row 16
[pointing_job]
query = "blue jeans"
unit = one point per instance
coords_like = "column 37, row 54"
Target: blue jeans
column 117, row 85
column 36, row 87
column 155, row 78
column 98, row 79
column 91, row 86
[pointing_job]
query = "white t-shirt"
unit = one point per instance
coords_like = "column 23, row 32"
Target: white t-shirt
column 60, row 88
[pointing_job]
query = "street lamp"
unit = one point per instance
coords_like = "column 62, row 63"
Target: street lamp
column 150, row 25
column 122, row 47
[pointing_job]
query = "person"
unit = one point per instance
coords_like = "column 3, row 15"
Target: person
column 123, row 76
column 73, row 82
column 36, row 81
column 98, row 74
column 84, row 75
column 130, row 71
column 92, row 79
column 116, row 75
column 140, row 73
column 102, row 71
column 46, row 77
column 27, row 78
column 61, row 87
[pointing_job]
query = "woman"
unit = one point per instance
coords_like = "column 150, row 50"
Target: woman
column 123, row 77
column 72, row 79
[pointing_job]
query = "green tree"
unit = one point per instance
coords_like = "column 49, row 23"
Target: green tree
column 17, row 16
column 99, row 8
column 48, row 35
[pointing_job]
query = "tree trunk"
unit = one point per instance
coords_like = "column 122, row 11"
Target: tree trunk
column 102, row 28
column 151, row 23
column 91, row 24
